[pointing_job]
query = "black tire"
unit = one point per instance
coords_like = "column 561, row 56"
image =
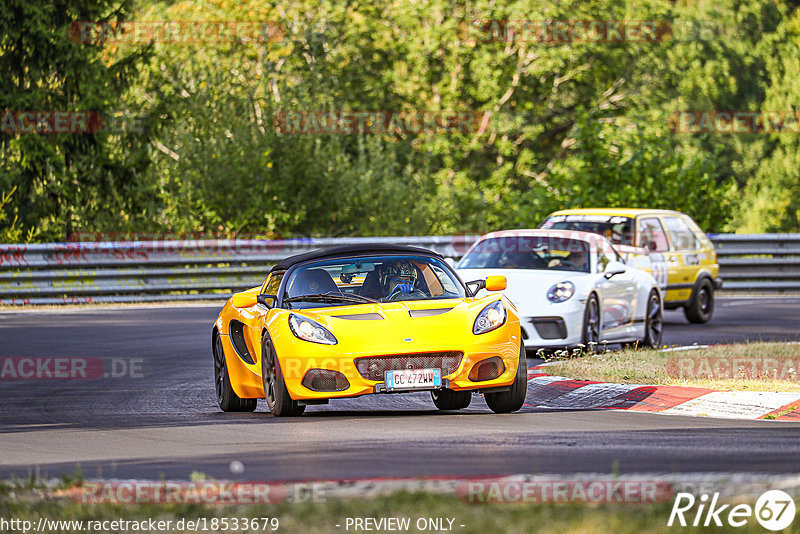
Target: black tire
column 227, row 399
column 701, row 305
column 277, row 396
column 590, row 336
column 513, row 399
column 654, row 321
column 447, row 399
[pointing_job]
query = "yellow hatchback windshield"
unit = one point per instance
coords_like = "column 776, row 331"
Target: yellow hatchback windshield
column 617, row 229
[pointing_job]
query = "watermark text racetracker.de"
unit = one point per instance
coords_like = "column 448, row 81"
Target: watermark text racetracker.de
column 565, row 32
column 204, row 492
column 139, row 32
column 565, row 491
column 150, row 525
column 379, row 122
column 51, row 122
column 734, row 122
column 69, row 368
column 733, row 367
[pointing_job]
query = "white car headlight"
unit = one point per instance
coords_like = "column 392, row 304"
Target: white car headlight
column 491, row 317
column 308, row 330
column 561, row 291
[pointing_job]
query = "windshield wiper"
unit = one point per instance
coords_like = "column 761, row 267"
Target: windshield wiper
column 331, row 297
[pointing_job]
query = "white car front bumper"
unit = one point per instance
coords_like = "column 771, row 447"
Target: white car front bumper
column 552, row 330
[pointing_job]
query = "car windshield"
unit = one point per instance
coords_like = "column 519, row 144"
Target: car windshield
column 379, row 278
column 618, row 230
column 529, row 252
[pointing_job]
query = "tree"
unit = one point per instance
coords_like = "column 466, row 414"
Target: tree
column 68, row 182
column 630, row 166
column 771, row 201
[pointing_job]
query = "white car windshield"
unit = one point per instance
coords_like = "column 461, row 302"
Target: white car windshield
column 529, row 252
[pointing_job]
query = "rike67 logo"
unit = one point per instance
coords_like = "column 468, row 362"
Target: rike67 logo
column 774, row 510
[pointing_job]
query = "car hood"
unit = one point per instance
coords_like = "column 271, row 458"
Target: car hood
column 425, row 321
column 527, row 288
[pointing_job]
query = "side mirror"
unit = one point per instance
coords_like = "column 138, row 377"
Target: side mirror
column 479, row 284
column 268, row 301
column 614, row 268
column 243, row 300
column 495, row 283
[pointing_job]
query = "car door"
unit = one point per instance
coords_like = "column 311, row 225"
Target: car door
column 255, row 318
column 683, row 259
column 618, row 295
column 651, row 235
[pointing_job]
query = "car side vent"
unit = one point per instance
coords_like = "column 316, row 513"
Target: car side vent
column 236, row 330
column 428, row 313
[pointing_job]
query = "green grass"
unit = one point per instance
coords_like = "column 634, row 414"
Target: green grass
column 739, row 367
column 29, row 503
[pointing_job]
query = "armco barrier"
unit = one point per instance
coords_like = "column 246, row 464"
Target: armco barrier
column 56, row 273
column 759, row 262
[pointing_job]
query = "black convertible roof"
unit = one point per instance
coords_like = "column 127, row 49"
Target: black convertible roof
column 349, row 250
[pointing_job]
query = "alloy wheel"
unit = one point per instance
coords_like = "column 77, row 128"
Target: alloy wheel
column 219, row 369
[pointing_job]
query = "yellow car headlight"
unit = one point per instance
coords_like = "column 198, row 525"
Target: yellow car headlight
column 491, row 317
column 308, row 330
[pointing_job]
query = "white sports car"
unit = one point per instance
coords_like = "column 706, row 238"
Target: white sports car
column 570, row 288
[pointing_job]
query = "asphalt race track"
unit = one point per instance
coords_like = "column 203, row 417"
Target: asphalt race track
column 164, row 421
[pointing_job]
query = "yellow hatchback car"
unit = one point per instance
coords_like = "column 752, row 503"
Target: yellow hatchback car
column 666, row 243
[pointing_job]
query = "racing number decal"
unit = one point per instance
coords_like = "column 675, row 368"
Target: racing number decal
column 691, row 259
column 659, row 266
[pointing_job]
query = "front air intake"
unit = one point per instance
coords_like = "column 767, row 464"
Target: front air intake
column 488, row 369
column 325, row 380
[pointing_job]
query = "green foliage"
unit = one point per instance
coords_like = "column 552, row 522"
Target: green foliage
column 9, row 231
column 772, row 196
column 629, row 166
column 580, row 123
column 67, row 182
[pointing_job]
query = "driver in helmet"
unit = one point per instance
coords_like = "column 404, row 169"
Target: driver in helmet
column 580, row 259
column 401, row 277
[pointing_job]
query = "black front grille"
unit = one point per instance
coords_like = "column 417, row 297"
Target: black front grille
column 550, row 327
column 374, row 367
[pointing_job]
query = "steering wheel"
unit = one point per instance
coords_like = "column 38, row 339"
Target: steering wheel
column 568, row 264
column 393, row 295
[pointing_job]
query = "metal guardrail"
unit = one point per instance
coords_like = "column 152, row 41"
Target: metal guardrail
column 87, row 272
column 97, row 272
column 759, row 262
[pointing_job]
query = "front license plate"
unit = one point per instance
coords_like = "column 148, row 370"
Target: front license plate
column 414, row 379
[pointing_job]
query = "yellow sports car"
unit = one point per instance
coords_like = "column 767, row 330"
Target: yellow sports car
column 362, row 319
